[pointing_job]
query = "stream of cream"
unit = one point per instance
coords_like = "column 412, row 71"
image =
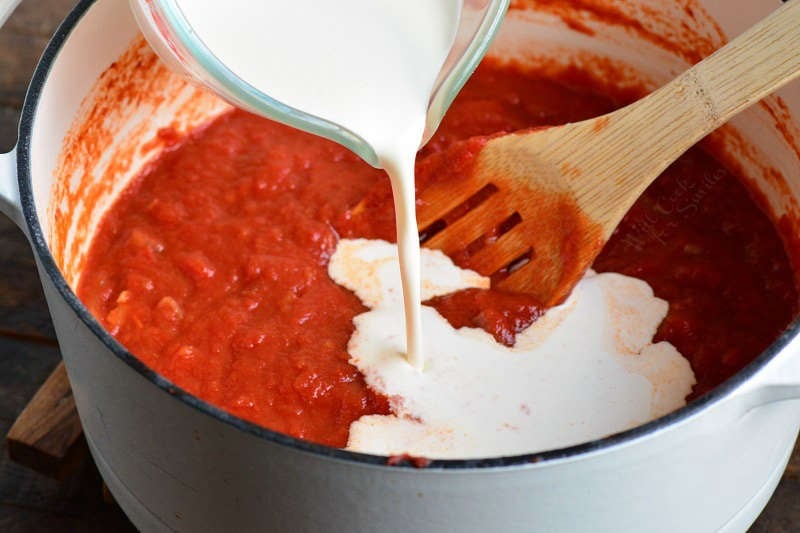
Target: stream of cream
column 367, row 65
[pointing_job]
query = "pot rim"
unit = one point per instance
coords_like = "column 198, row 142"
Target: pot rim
column 48, row 262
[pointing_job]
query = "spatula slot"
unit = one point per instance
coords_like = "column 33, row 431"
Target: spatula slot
column 512, row 267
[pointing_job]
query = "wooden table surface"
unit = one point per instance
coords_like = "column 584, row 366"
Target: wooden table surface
column 28, row 349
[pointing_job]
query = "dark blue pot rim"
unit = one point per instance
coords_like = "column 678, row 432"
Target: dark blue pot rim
column 45, row 257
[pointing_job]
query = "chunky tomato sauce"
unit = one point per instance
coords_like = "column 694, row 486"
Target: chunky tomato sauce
column 212, row 268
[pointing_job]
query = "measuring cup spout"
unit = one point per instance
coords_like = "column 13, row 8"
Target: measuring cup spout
column 480, row 21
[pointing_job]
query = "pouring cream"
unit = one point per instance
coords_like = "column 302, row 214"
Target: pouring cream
column 368, row 65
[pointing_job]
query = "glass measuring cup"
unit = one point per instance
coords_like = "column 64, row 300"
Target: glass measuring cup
column 171, row 36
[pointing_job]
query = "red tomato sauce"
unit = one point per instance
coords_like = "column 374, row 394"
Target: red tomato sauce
column 212, row 267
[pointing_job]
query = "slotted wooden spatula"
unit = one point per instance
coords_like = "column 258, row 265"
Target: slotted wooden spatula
column 552, row 197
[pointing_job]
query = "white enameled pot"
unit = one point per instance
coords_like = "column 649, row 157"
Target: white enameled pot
column 174, row 462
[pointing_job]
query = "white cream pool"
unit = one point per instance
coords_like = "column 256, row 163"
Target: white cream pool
column 587, row 369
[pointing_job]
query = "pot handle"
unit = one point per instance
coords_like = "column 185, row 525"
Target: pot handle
column 10, row 204
column 6, row 8
column 780, row 380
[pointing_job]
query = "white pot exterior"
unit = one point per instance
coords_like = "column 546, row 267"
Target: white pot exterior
column 174, row 464
column 172, row 467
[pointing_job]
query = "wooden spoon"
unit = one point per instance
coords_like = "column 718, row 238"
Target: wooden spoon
column 552, row 197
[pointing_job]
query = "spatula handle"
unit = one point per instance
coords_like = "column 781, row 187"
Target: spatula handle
column 756, row 63
column 641, row 140
column 752, row 66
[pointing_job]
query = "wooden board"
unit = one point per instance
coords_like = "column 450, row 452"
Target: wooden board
column 47, row 436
